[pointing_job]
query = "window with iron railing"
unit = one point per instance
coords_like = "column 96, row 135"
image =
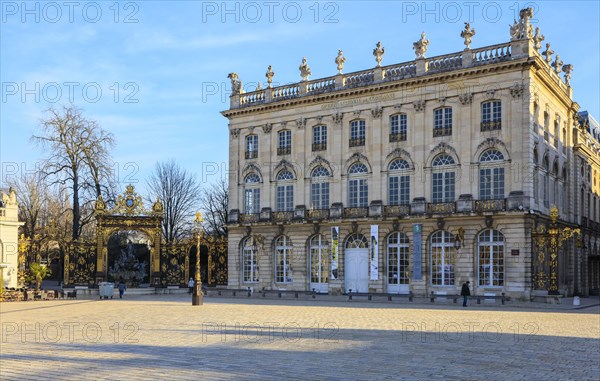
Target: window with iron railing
column 285, row 142
column 491, row 116
column 319, row 138
column 442, row 122
column 357, row 133
column 398, row 127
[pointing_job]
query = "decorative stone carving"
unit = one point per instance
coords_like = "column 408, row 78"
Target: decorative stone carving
column 251, row 167
column 283, row 124
column 466, row 98
column 420, row 46
column 319, row 119
column 319, row 160
column 516, row 90
column 236, row 84
column 522, row 28
column 235, row 132
column 378, row 52
column 258, row 86
column 356, row 112
column 491, row 143
column 251, row 129
column 548, row 53
column 340, row 60
column 442, row 100
column 267, row 128
column 304, row 70
column 557, row 64
column 515, row 31
column 284, row 164
column 270, row 74
column 467, row 34
column 357, row 156
column 443, row 148
column 419, row 105
column 567, row 69
column 399, row 153
column 377, row 112
column 301, row 123
column 537, row 39
column 491, row 93
column 337, row 118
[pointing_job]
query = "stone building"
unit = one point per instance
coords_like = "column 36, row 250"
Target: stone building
column 9, row 238
column 414, row 177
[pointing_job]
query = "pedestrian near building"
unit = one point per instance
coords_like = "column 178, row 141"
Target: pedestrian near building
column 465, row 292
column 191, row 285
column 122, row 288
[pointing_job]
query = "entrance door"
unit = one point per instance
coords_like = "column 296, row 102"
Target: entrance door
column 319, row 265
column 356, row 272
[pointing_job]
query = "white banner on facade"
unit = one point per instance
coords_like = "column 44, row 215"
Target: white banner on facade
column 335, row 238
column 373, row 250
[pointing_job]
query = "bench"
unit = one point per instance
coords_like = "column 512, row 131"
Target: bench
column 232, row 291
column 72, row 294
column 390, row 297
column 455, row 298
column 280, row 293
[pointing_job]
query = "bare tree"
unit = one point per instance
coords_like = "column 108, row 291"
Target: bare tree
column 179, row 192
column 79, row 159
column 213, row 203
column 32, row 196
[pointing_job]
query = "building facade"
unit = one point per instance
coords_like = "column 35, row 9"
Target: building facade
column 9, row 238
column 413, row 177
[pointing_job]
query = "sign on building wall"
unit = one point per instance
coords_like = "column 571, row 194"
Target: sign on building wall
column 335, row 238
column 373, row 247
column 417, row 248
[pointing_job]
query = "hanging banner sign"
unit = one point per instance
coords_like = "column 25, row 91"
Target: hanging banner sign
column 373, row 250
column 335, row 238
column 417, row 251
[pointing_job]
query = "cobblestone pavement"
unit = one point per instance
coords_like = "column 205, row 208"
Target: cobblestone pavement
column 165, row 337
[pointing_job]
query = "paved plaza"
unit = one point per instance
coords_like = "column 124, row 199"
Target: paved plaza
column 165, row 337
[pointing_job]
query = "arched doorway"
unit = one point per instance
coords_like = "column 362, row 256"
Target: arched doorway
column 356, row 263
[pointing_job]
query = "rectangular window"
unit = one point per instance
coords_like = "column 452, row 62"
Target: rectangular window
column 250, row 271
column 319, row 141
column 285, row 198
column 442, row 122
column 491, row 183
column 358, row 193
column 252, row 201
column 491, row 116
column 285, row 142
column 398, row 128
column 442, row 187
column 320, row 195
column 251, row 147
column 357, row 133
column 399, row 190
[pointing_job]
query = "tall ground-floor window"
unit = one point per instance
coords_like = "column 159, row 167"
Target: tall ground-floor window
column 490, row 246
column 397, row 258
column 283, row 254
column 249, row 261
column 442, row 258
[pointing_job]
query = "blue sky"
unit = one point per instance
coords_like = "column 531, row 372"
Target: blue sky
column 154, row 72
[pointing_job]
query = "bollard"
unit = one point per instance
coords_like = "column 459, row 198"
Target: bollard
column 432, row 297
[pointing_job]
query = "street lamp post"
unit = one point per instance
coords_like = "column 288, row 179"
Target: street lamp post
column 197, row 294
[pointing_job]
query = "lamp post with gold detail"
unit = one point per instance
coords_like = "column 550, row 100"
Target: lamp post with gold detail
column 197, row 294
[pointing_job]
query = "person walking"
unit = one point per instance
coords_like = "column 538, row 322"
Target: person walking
column 191, row 285
column 465, row 292
column 122, row 288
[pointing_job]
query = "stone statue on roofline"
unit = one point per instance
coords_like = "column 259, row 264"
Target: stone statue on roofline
column 567, row 69
column 304, row 70
column 467, row 34
column 537, row 39
column 420, row 46
column 236, row 84
column 378, row 53
column 270, row 74
column 340, row 60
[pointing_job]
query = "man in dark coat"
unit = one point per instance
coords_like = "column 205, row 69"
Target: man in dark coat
column 465, row 292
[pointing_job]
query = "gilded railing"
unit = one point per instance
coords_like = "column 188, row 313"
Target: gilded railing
column 491, row 125
column 441, row 207
column 490, row 205
column 396, row 210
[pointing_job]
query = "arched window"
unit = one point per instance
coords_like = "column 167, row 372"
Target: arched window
column 442, row 179
column 285, row 191
column 442, row 258
column 398, row 182
column 252, row 194
column 490, row 247
column 397, row 259
column 319, row 260
column 358, row 189
column 491, row 175
column 249, row 261
column 283, row 260
column 319, row 188
column 555, row 193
